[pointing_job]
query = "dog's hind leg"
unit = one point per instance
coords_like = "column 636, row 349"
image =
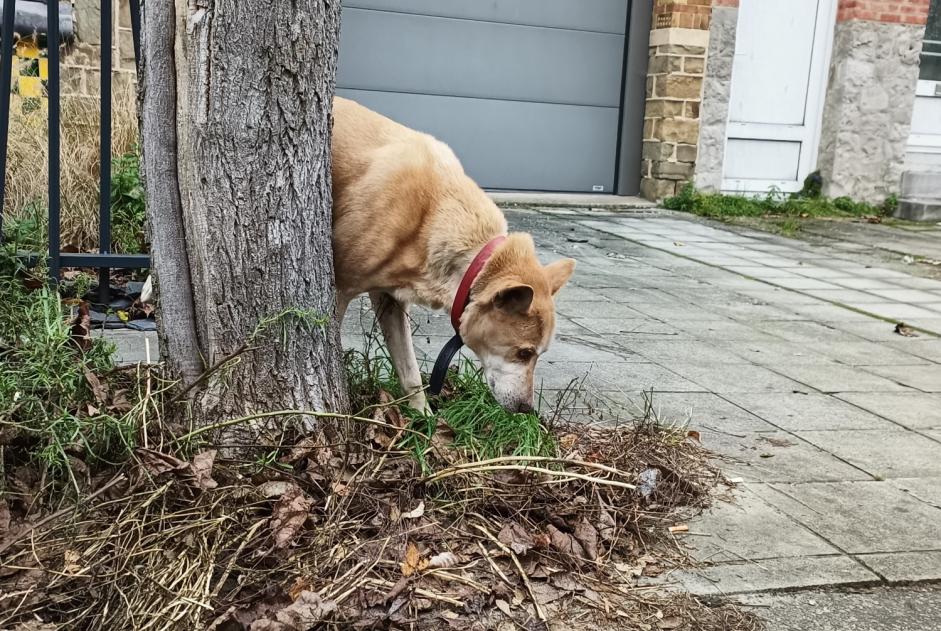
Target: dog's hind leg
column 393, row 320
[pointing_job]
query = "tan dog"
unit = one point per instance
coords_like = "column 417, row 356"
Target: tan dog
column 407, row 222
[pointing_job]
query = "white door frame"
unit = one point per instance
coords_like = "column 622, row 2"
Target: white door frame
column 807, row 134
column 926, row 143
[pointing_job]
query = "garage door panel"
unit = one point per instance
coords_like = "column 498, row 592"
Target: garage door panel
column 605, row 16
column 450, row 57
column 512, row 144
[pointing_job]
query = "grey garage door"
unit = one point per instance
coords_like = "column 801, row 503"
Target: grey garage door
column 526, row 92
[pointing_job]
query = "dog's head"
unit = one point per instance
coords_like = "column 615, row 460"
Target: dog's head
column 510, row 320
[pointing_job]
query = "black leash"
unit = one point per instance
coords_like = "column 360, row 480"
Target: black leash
column 442, row 364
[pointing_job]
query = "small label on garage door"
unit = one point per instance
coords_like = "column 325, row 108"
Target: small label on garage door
column 598, row 188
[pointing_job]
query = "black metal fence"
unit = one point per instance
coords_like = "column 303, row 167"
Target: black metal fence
column 104, row 260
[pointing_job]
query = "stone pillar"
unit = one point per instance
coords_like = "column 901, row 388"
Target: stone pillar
column 717, row 88
column 870, row 96
column 675, row 72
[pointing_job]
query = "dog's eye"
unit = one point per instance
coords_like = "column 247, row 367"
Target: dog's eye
column 525, row 354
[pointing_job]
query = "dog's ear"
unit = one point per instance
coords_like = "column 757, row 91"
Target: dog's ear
column 514, row 299
column 558, row 273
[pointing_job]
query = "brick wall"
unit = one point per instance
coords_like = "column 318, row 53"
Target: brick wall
column 887, row 11
column 681, row 14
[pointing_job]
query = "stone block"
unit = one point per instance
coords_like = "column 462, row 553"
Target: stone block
column 655, row 150
column 73, row 81
column 665, row 64
column 663, row 108
column 671, row 170
column 694, row 65
column 676, row 49
column 691, row 109
column 686, row 153
column 125, row 54
column 678, row 86
column 652, row 128
column 680, row 130
column 124, row 14
column 657, row 189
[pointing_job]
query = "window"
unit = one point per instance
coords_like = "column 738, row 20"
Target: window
column 931, row 49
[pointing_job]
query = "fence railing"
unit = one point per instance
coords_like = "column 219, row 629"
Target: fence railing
column 104, row 260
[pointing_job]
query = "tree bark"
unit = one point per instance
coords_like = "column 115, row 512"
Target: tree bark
column 236, row 117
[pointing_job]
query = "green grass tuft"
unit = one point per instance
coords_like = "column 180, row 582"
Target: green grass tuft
column 479, row 424
column 48, row 407
column 774, row 204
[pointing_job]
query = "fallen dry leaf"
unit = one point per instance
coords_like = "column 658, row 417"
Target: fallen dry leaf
column 81, row 328
column 606, row 525
column 588, row 537
column 503, row 606
column 443, row 560
column 288, row 516
column 670, row 622
column 413, row 561
column 276, row 488
column 515, row 537
column 904, row 330
column 565, row 543
column 99, row 391
column 545, row 593
column 157, row 463
column 201, row 468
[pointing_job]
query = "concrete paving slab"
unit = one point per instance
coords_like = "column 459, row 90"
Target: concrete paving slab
column 640, row 326
column 617, row 377
column 924, row 378
column 131, row 347
column 884, row 454
column 830, row 378
column 724, row 330
column 770, row 354
column 668, row 351
column 905, row 567
column 914, row 410
column 795, row 411
column 704, row 411
column 926, row 490
column 858, row 517
column 750, row 529
column 775, row 574
column 737, row 378
column 840, row 609
column 777, row 457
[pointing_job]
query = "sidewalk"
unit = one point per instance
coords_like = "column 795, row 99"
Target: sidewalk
column 783, row 355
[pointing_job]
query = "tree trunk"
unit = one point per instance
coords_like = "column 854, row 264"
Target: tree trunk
column 236, row 117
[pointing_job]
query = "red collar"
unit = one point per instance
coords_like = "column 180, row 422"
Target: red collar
column 462, row 298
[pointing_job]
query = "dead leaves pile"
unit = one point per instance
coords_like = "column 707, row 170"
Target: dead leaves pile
column 356, row 537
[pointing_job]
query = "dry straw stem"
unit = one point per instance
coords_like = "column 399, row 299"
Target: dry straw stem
column 27, row 173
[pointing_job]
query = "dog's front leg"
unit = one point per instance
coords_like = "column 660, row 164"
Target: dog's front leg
column 393, row 320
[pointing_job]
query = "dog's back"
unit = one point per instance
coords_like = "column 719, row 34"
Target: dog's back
column 389, row 181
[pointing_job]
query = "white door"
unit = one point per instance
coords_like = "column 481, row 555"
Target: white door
column 924, row 144
column 782, row 57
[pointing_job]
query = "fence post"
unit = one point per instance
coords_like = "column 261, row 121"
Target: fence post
column 6, row 79
column 52, row 92
column 104, row 194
